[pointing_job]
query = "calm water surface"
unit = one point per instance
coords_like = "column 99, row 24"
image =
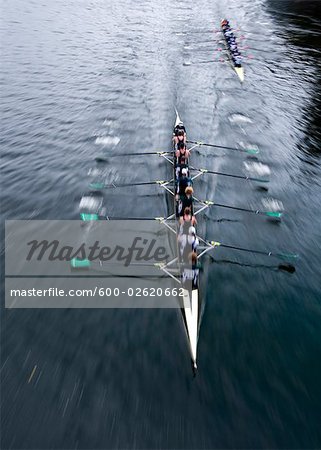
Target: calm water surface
column 85, row 78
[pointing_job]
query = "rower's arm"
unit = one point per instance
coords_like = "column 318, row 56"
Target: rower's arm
column 177, row 187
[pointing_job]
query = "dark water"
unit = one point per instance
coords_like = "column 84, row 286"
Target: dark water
column 84, row 78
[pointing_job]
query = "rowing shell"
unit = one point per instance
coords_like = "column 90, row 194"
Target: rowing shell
column 191, row 305
column 239, row 70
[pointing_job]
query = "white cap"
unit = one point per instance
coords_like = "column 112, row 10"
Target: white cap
column 191, row 230
column 184, row 171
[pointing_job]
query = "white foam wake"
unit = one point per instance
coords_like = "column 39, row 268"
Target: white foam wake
column 107, row 140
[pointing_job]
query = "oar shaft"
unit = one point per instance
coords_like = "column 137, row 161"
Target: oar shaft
column 240, row 177
column 216, row 146
column 113, row 185
column 120, row 155
column 212, row 145
column 144, row 183
column 236, row 208
column 259, row 252
column 248, row 250
column 270, row 214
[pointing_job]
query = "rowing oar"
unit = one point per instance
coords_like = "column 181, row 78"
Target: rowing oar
column 120, row 155
column 241, row 177
column 271, row 214
column 257, row 252
column 251, row 151
column 87, row 217
column 284, row 267
column 113, row 185
column 274, row 214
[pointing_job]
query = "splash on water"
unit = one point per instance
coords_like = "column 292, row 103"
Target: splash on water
column 107, row 140
column 239, row 119
column 257, row 169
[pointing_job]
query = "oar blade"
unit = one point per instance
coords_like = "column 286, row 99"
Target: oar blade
column 87, row 217
column 287, row 255
column 77, row 263
column 273, row 214
column 252, row 151
column 97, row 185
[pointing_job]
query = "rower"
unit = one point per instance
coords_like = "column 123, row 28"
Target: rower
column 225, row 23
column 180, row 137
column 182, row 184
column 179, row 133
column 237, row 59
column 182, row 154
column 193, row 239
column 187, row 222
column 188, row 243
column 186, row 201
column 190, row 274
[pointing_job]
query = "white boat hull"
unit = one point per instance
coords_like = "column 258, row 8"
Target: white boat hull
column 191, row 312
column 190, row 309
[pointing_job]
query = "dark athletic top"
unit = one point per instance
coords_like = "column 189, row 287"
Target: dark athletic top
column 182, row 159
column 190, row 276
column 182, row 185
column 186, row 203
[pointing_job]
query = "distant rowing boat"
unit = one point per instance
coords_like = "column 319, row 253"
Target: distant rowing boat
column 239, row 70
